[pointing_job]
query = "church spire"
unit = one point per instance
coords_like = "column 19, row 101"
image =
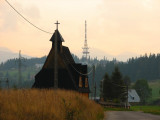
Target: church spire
column 57, row 25
column 55, row 57
column 59, row 36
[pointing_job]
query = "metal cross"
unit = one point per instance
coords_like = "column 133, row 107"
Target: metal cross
column 57, row 24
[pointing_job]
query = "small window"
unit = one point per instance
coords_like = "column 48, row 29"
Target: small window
column 80, row 81
column 86, row 82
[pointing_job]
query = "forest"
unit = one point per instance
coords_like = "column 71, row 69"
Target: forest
column 143, row 67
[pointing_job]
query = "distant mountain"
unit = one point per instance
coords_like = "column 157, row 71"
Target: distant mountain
column 100, row 54
column 125, row 56
column 6, row 54
column 94, row 52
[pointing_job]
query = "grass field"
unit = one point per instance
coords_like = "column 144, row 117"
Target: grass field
column 47, row 105
column 155, row 85
column 145, row 109
column 116, row 109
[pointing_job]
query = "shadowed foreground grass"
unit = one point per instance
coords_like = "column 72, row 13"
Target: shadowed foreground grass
column 116, row 109
column 145, row 109
column 47, row 105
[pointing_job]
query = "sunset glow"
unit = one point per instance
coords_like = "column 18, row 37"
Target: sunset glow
column 114, row 26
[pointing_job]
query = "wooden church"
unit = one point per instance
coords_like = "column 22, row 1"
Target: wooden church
column 62, row 72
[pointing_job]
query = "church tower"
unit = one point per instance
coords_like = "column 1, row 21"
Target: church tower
column 60, row 70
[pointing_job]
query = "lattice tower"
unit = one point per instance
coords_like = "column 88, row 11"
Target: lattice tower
column 85, row 48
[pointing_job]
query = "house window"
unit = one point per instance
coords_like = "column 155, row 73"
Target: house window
column 80, row 81
column 86, row 82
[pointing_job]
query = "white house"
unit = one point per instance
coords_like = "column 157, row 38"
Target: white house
column 133, row 97
column 38, row 65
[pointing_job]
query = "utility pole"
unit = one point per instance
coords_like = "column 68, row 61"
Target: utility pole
column 95, row 91
column 127, row 96
column 55, row 59
column 93, row 77
column 0, row 83
column 20, row 69
column 7, row 81
column 102, row 89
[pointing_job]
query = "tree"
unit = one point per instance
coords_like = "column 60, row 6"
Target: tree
column 118, row 86
column 127, row 80
column 143, row 90
column 107, row 88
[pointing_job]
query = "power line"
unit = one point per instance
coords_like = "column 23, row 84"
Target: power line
column 71, row 76
column 6, row 81
column 27, row 19
column 77, row 70
column 115, row 84
column 19, row 60
column 93, row 78
column 118, row 85
column 80, row 72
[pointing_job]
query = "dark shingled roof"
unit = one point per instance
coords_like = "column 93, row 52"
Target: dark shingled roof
column 67, row 55
column 60, row 38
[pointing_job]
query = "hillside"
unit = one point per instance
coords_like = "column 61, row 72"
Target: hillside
column 144, row 67
column 155, row 85
column 6, row 54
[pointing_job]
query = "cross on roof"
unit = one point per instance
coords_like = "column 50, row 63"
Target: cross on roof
column 57, row 24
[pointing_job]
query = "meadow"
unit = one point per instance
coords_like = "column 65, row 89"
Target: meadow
column 47, row 105
column 155, row 85
column 145, row 109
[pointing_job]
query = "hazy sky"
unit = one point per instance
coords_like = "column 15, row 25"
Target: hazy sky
column 114, row 26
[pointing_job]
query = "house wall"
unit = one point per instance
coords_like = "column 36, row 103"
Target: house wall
column 85, row 94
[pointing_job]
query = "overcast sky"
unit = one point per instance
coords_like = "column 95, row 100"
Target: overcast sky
column 114, row 27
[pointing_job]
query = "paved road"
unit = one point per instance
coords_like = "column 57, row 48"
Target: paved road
column 129, row 115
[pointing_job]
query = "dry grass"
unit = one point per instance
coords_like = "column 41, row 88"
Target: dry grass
column 47, row 105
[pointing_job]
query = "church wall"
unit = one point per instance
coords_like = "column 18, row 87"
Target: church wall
column 45, row 79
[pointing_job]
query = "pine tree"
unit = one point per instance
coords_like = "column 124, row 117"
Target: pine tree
column 107, row 88
column 118, row 87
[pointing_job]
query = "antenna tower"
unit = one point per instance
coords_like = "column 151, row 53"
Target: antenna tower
column 19, row 69
column 20, row 59
column 85, row 48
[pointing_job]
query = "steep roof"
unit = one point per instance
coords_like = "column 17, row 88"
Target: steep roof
column 133, row 96
column 67, row 55
column 59, row 36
